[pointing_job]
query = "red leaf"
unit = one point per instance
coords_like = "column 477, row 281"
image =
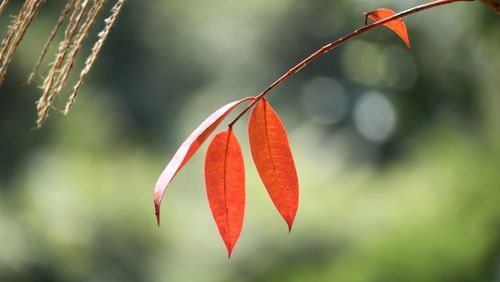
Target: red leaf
column 273, row 158
column 187, row 150
column 225, row 183
column 397, row 25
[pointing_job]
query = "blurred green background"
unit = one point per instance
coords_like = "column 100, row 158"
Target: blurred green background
column 398, row 151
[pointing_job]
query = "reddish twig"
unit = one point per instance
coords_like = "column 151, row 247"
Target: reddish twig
column 338, row 42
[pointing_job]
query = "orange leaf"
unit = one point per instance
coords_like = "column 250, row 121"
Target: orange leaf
column 273, row 158
column 225, row 183
column 397, row 25
column 187, row 150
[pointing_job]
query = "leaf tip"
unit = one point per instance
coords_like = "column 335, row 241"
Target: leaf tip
column 407, row 41
column 229, row 250
column 289, row 219
column 157, row 213
column 289, row 222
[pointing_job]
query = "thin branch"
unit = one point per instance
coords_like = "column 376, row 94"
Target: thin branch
column 340, row 41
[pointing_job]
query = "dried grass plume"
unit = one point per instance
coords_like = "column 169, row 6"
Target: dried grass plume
column 77, row 17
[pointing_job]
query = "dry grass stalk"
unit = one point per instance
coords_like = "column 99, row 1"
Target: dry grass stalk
column 74, row 20
column 110, row 21
column 57, row 27
column 16, row 32
column 13, row 28
column 76, row 46
column 78, row 16
column 62, row 74
column 3, row 5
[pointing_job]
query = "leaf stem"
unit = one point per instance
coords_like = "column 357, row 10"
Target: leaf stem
column 330, row 46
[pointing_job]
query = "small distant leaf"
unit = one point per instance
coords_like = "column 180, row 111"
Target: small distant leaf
column 273, row 158
column 225, row 183
column 187, row 150
column 397, row 25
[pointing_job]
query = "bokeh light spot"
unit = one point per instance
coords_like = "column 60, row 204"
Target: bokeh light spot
column 324, row 100
column 374, row 117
